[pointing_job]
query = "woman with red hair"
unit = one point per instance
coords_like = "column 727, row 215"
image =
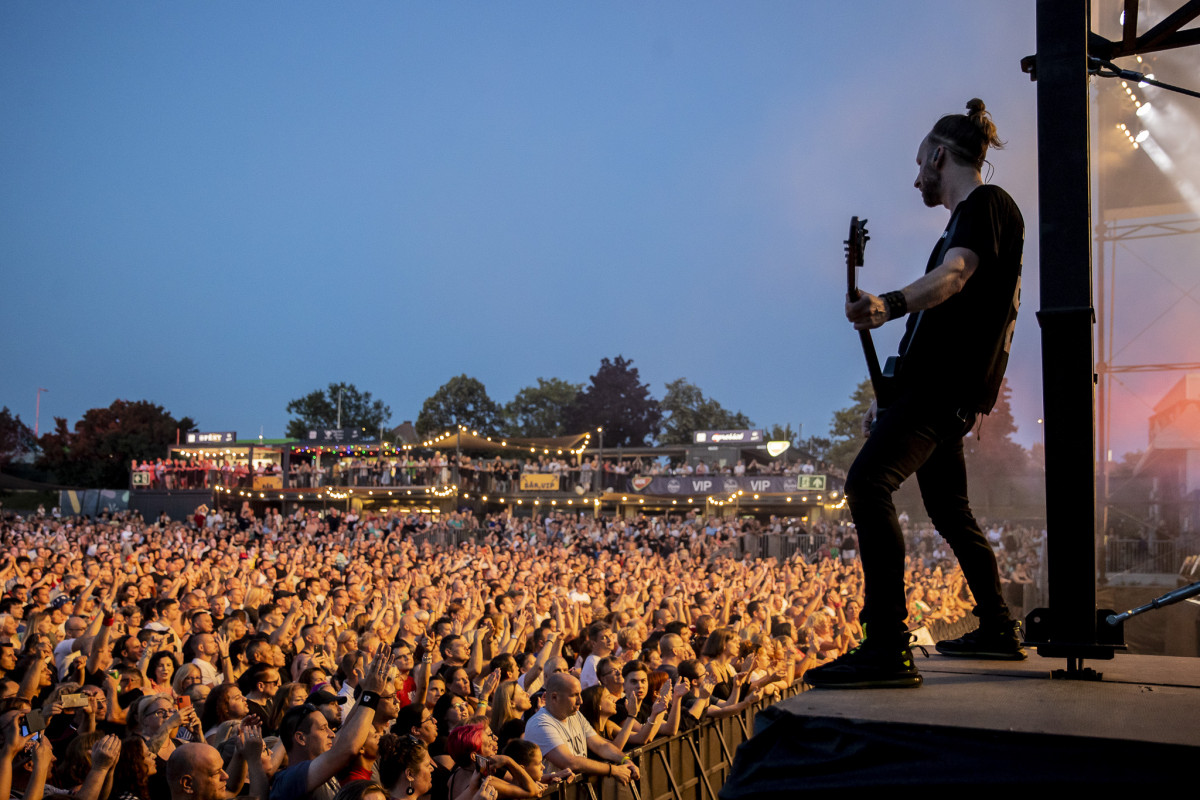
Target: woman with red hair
column 473, row 747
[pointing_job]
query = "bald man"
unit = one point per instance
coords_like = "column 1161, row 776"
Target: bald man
column 670, row 647
column 564, row 736
column 195, row 772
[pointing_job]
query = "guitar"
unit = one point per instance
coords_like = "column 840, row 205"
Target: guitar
column 882, row 380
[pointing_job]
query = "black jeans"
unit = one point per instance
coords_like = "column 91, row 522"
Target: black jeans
column 916, row 435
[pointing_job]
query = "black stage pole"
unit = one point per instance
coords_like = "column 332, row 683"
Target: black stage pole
column 1068, row 628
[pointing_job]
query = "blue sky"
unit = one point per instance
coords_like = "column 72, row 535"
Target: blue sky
column 222, row 206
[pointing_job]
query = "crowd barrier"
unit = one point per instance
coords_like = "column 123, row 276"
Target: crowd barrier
column 1138, row 556
column 688, row 766
column 782, row 546
column 446, row 537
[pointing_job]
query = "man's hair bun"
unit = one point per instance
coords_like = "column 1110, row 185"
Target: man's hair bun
column 967, row 136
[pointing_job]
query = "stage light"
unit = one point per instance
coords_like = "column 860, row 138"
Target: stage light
column 1143, row 110
column 1141, row 137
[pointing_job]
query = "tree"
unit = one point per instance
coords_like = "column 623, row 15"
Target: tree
column 994, row 460
column 691, row 411
column 540, row 410
column 459, row 401
column 816, row 447
column 97, row 453
column 783, row 433
column 16, row 440
column 846, row 430
column 319, row 410
column 619, row 402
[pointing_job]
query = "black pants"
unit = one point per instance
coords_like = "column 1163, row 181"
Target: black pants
column 916, row 435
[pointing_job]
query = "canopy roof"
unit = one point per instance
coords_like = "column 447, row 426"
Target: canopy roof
column 464, row 439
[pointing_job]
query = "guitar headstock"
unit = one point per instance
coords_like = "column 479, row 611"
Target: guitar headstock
column 856, row 242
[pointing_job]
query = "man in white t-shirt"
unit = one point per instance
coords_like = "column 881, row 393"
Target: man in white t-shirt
column 564, row 736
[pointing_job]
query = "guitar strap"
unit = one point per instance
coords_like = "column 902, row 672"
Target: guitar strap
column 906, row 342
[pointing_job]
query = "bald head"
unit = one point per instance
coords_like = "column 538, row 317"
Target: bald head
column 554, row 666
column 670, row 647
column 195, row 772
column 560, row 681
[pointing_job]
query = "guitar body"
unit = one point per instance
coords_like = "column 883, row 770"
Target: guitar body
column 883, row 381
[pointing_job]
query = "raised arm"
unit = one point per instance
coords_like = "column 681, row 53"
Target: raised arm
column 357, row 726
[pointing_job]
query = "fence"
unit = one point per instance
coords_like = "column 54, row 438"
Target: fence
column 444, row 536
column 781, row 546
column 1139, row 556
column 688, row 766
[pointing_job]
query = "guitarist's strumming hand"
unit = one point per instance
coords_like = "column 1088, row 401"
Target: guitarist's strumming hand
column 867, row 312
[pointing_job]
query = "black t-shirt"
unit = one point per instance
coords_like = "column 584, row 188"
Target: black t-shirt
column 955, row 353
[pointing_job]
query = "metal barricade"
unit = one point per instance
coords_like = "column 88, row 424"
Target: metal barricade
column 688, row 766
column 446, row 537
column 778, row 546
column 1138, row 556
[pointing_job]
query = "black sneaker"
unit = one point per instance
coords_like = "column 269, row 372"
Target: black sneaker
column 1001, row 642
column 867, row 666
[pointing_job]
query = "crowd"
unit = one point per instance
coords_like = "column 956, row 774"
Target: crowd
column 339, row 656
column 1019, row 549
column 308, row 471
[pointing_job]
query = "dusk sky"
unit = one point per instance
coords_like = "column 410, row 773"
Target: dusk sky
column 222, row 206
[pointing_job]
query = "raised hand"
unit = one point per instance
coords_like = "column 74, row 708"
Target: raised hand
column 489, row 685
column 375, row 678
column 250, row 740
column 106, row 752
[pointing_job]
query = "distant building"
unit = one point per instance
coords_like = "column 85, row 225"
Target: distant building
column 1172, row 460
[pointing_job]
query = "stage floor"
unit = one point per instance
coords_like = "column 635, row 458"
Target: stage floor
column 1142, row 698
column 979, row 724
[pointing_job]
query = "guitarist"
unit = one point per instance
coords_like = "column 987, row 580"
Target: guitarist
column 960, row 316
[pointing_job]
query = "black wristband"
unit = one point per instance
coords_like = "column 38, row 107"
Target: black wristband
column 897, row 306
column 369, row 699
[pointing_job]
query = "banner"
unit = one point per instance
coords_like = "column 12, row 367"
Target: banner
column 215, row 437
column 539, row 482
column 268, row 482
column 339, row 436
column 691, row 485
column 91, row 502
column 727, row 437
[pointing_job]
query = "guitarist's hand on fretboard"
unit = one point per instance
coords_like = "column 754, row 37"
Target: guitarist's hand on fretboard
column 867, row 312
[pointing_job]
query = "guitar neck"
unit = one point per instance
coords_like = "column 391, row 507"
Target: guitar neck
column 855, row 243
column 873, row 370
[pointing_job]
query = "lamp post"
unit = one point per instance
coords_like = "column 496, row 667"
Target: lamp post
column 37, row 411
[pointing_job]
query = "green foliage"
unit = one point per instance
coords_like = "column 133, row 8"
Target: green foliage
column 994, row 461
column 459, row 401
column 990, row 451
column 783, row 433
column 816, row 447
column 619, row 402
column 96, row 454
column 846, row 431
column 319, row 410
column 16, row 439
column 540, row 410
column 689, row 410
